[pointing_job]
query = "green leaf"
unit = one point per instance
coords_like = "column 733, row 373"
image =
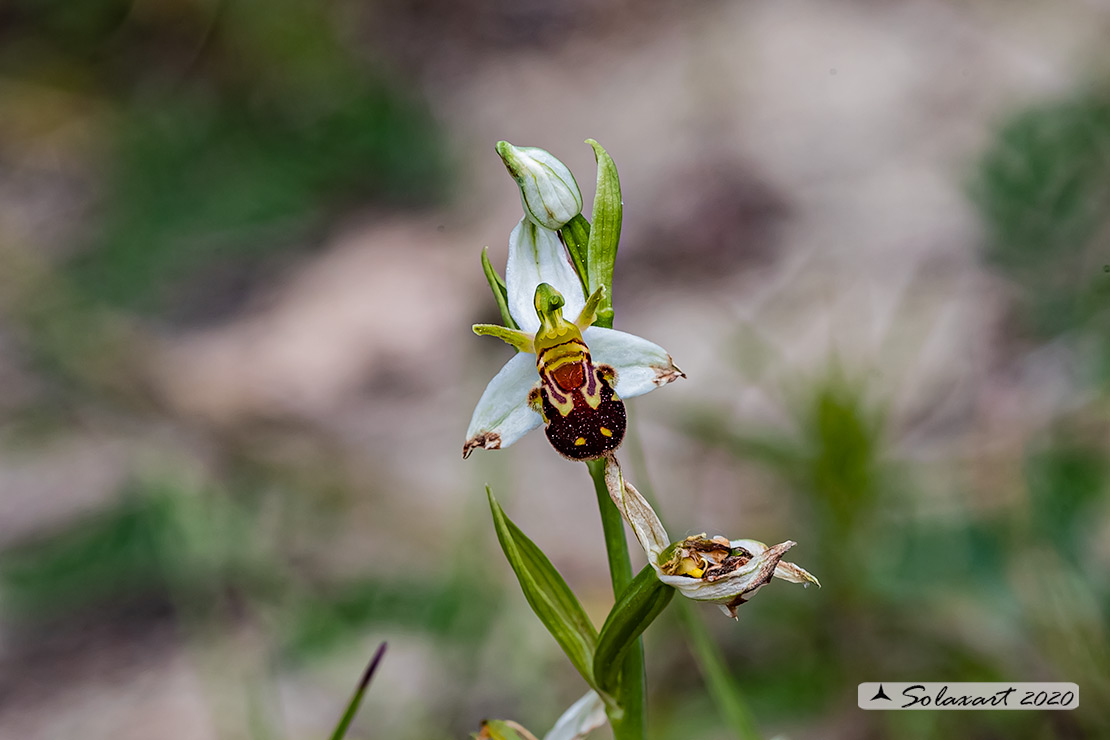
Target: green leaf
column 576, row 237
column 547, row 593
column 638, row 606
column 500, row 292
column 356, row 700
column 605, row 232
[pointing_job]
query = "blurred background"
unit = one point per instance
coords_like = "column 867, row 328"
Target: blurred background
column 239, row 248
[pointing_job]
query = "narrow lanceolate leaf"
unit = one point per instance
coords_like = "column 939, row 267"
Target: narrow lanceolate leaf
column 638, row 606
column 605, row 231
column 500, row 292
column 576, row 237
column 548, row 594
column 356, row 700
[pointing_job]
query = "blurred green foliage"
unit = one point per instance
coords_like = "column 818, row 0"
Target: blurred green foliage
column 202, row 552
column 458, row 608
column 114, row 556
column 232, row 130
column 159, row 542
column 197, row 182
column 1069, row 487
column 1042, row 189
column 910, row 595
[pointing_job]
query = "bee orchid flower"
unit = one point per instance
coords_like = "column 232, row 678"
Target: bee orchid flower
column 714, row 569
column 568, row 374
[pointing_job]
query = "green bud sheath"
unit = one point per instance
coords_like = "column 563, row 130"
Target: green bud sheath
column 605, row 232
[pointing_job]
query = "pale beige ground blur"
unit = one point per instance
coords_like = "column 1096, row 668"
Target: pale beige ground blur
column 849, row 125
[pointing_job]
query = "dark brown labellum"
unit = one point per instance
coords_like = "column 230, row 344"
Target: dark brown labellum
column 586, row 433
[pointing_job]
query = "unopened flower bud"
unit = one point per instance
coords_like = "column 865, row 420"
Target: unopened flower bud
column 548, row 192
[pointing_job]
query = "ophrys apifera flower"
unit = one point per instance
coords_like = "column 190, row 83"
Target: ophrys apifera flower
column 715, row 569
column 570, row 375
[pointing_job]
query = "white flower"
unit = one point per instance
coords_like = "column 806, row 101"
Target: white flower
column 722, row 571
column 548, row 190
column 587, row 369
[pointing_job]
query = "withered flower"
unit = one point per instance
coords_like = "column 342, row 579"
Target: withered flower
column 715, row 569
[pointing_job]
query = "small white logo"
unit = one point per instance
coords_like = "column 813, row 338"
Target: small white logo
column 934, row 695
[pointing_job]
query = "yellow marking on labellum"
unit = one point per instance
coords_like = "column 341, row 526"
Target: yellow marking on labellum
column 584, row 418
column 566, row 372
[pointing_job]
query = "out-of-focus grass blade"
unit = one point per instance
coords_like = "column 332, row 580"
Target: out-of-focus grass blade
column 356, row 700
column 722, row 686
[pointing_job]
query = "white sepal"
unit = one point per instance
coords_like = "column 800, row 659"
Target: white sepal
column 503, row 415
column 641, row 366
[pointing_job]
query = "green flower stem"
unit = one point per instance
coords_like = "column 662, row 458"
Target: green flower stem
column 616, row 546
column 631, row 724
column 720, row 682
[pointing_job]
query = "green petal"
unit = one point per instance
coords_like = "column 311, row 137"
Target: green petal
column 589, row 312
column 513, row 337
